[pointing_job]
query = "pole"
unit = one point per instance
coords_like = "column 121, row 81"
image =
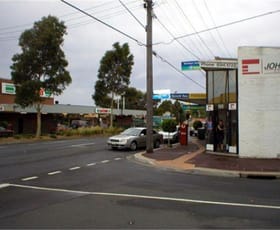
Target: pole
column 149, row 148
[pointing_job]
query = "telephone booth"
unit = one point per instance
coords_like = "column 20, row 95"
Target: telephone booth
column 221, row 105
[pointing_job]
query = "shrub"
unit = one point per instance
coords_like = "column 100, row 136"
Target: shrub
column 89, row 131
column 53, row 136
column 169, row 125
column 197, row 124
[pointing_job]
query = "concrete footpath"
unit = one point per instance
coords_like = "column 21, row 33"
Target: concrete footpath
column 192, row 158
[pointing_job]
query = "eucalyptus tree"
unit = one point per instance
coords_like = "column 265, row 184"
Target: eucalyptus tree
column 114, row 74
column 41, row 65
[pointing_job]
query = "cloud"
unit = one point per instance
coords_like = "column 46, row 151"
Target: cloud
column 88, row 40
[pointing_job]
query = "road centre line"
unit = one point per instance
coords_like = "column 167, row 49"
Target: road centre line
column 117, row 159
column 54, row 173
column 81, row 145
column 105, row 161
column 74, row 168
column 29, row 178
column 182, row 200
column 91, row 164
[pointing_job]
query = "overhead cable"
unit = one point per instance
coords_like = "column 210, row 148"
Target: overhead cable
column 198, row 35
column 218, row 32
column 220, row 26
column 177, row 70
column 129, row 11
column 168, row 31
column 102, row 22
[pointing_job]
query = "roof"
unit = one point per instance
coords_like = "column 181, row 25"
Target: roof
column 67, row 109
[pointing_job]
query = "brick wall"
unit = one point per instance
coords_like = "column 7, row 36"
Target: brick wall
column 10, row 98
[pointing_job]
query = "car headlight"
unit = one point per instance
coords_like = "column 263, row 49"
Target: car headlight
column 123, row 141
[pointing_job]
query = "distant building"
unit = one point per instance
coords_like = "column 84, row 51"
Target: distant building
column 23, row 120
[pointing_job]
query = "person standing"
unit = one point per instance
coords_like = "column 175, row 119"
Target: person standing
column 220, row 132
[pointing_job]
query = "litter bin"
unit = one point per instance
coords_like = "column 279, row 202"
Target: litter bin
column 201, row 133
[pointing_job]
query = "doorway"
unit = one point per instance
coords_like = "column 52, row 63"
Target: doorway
column 222, row 106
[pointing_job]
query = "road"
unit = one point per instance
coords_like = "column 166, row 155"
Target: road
column 81, row 183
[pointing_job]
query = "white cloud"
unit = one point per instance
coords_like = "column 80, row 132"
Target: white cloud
column 88, row 40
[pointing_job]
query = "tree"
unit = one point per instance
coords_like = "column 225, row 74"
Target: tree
column 135, row 99
column 113, row 74
column 165, row 106
column 41, row 65
column 101, row 97
column 169, row 125
column 177, row 110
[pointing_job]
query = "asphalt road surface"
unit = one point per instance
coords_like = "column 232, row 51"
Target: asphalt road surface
column 82, row 184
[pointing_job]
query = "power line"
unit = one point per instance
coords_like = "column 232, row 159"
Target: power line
column 198, row 35
column 102, row 22
column 220, row 26
column 132, row 14
column 177, row 70
column 205, row 24
column 173, row 26
column 83, row 23
column 218, row 32
column 177, row 40
column 17, row 29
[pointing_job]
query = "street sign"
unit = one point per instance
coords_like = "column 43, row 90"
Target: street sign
column 190, row 65
column 219, row 64
column 179, row 96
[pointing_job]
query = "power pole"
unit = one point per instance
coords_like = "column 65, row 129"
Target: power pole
column 149, row 6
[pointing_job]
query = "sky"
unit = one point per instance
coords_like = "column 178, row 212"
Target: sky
column 183, row 30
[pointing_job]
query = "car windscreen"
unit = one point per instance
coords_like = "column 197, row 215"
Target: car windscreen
column 131, row 132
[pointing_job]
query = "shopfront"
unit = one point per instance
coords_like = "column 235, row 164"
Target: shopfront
column 221, row 105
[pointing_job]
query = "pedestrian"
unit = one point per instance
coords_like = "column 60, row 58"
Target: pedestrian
column 220, row 134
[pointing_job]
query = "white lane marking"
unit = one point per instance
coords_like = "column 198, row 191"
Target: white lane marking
column 29, row 178
column 4, row 185
column 91, row 164
column 54, row 173
column 56, row 142
column 105, row 161
column 81, row 145
column 117, row 159
column 74, row 168
column 183, row 200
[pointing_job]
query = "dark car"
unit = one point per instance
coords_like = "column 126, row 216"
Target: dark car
column 6, row 132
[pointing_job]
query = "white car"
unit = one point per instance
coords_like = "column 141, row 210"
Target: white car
column 173, row 137
column 133, row 138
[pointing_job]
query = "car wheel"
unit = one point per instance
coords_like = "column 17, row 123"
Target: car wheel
column 157, row 144
column 133, row 146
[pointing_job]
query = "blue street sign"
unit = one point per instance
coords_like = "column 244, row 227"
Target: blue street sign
column 190, row 65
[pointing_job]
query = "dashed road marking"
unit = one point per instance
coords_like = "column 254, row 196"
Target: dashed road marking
column 74, row 168
column 58, row 171
column 54, row 173
column 4, row 185
column 81, row 145
column 105, row 161
column 29, row 178
column 182, row 200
